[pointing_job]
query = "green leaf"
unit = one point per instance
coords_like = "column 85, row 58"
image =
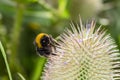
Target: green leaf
column 6, row 62
column 21, row 76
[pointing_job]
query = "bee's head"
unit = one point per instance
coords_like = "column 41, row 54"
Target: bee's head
column 42, row 40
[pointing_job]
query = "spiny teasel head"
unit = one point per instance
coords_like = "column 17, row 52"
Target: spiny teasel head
column 84, row 53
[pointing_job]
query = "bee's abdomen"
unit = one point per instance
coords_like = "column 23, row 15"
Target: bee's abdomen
column 44, row 51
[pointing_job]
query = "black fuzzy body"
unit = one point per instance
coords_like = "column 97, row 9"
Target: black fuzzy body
column 46, row 51
column 47, row 46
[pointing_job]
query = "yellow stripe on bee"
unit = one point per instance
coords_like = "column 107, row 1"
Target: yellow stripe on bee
column 38, row 39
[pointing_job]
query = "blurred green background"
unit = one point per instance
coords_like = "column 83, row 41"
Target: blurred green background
column 22, row 20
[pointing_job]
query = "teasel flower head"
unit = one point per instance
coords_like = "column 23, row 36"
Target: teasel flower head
column 84, row 53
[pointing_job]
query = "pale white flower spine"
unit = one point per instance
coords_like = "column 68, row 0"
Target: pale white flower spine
column 84, row 53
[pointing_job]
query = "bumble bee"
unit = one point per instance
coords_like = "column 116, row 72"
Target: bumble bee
column 44, row 44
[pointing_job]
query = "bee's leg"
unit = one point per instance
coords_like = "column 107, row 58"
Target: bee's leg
column 54, row 54
column 54, row 44
column 53, row 41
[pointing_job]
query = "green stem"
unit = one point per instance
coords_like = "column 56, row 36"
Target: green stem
column 62, row 7
column 37, row 73
column 47, row 6
column 5, row 59
column 17, row 23
column 15, row 35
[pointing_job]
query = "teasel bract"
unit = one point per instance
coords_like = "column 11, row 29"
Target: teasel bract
column 84, row 53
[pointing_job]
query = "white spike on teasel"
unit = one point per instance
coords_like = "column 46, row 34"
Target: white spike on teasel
column 84, row 53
